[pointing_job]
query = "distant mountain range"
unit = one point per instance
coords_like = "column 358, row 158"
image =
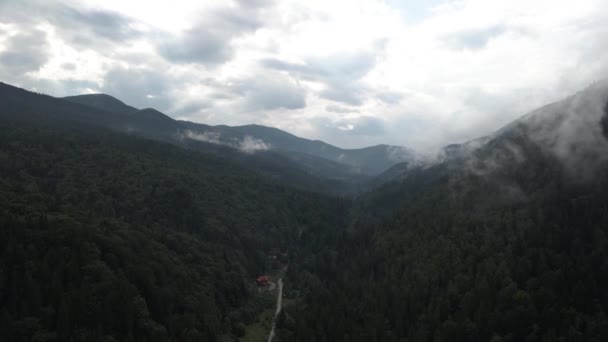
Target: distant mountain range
column 281, row 155
column 369, row 161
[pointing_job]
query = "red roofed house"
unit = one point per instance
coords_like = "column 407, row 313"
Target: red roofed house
column 263, row 280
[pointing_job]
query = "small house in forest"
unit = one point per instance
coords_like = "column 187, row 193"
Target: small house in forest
column 263, row 280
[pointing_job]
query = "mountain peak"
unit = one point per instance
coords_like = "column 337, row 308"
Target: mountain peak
column 104, row 102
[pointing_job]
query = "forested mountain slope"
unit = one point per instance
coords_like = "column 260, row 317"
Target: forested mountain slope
column 504, row 238
column 506, row 242
column 310, row 173
column 369, row 161
column 110, row 237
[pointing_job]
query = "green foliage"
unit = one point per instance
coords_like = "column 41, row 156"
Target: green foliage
column 465, row 260
column 105, row 236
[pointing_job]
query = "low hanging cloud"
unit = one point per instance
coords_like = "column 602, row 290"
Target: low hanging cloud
column 248, row 144
column 574, row 130
column 209, row 137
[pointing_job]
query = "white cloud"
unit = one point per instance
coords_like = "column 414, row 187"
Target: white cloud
column 352, row 73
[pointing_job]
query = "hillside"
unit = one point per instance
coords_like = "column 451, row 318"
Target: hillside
column 111, row 237
column 504, row 241
column 27, row 107
column 368, row 161
column 502, row 238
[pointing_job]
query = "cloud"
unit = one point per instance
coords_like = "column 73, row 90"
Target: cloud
column 389, row 97
column 24, row 52
column 339, row 109
column 209, row 137
column 248, row 144
column 142, row 88
column 339, row 73
column 255, row 3
column 270, row 91
column 209, row 42
column 355, row 126
column 78, row 26
column 251, row 145
column 87, row 27
column 474, row 38
column 574, row 130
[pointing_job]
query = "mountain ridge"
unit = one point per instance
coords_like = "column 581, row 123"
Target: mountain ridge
column 370, row 161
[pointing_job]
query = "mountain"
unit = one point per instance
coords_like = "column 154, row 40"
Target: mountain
column 103, row 102
column 502, row 239
column 368, row 161
column 108, row 237
column 159, row 233
column 305, row 173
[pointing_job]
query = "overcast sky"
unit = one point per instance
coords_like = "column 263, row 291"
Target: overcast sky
column 353, row 73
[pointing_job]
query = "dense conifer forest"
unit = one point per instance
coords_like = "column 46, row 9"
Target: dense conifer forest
column 107, row 236
column 111, row 237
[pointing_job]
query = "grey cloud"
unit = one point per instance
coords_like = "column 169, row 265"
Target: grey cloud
column 199, row 45
column 141, row 88
column 339, row 109
column 255, row 3
column 192, row 108
column 24, row 52
column 269, row 92
column 390, row 97
column 359, row 126
column 210, row 41
column 369, row 126
column 277, row 64
column 345, row 93
column 339, row 73
column 77, row 26
column 99, row 24
column 68, row 66
column 59, row 87
column 475, row 38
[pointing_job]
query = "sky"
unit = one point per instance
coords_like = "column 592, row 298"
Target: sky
column 353, row 73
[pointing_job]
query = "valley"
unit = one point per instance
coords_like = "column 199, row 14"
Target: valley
column 121, row 224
